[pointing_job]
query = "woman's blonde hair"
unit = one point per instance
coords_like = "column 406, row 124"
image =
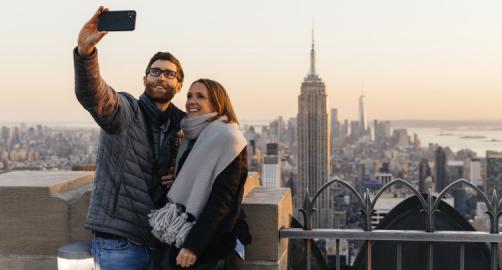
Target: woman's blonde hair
column 219, row 99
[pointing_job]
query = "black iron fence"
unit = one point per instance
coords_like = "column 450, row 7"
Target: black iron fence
column 429, row 206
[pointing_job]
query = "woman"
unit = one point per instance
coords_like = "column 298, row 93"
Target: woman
column 199, row 220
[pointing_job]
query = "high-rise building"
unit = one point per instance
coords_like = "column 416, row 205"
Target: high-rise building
column 291, row 132
column 345, row 128
column 416, row 141
column 440, row 165
column 362, row 114
column 381, row 131
column 313, row 145
column 254, row 154
column 401, row 137
column 455, row 170
column 385, row 127
column 272, row 149
column 16, row 135
column 271, row 172
column 277, row 130
column 424, row 172
column 335, row 124
column 335, row 129
column 355, row 130
column 31, row 133
column 475, row 172
column 376, row 135
column 334, row 116
column 6, row 135
column 40, row 131
column 494, row 171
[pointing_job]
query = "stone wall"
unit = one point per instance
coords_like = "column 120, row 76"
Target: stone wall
column 41, row 211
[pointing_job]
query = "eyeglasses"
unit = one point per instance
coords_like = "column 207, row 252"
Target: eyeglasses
column 155, row 72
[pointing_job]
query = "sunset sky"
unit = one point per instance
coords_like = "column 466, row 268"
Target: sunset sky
column 429, row 59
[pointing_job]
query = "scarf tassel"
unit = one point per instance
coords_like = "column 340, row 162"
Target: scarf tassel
column 170, row 224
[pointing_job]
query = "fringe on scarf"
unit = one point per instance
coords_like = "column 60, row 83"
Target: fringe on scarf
column 170, row 225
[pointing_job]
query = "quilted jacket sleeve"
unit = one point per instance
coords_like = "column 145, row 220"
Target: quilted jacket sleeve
column 109, row 110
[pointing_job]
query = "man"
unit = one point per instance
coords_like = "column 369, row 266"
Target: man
column 137, row 146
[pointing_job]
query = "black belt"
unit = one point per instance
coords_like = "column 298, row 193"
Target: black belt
column 107, row 235
column 113, row 236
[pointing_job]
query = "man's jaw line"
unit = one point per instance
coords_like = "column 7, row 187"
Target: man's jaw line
column 161, row 105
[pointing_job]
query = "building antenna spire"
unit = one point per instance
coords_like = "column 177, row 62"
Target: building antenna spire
column 312, row 33
column 312, row 53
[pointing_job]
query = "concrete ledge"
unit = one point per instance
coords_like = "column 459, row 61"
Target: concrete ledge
column 42, row 211
column 28, row 262
column 268, row 210
column 72, row 184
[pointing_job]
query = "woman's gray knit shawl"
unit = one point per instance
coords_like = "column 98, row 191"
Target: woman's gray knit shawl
column 218, row 144
column 216, row 147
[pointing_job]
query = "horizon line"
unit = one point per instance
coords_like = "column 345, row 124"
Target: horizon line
column 270, row 119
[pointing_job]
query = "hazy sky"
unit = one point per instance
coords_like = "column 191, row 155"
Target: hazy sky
column 428, row 59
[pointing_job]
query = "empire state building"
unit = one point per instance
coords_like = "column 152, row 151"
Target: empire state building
column 313, row 145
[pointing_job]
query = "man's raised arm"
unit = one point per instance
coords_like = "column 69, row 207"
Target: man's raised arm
column 92, row 92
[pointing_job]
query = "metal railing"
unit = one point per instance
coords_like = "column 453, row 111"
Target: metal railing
column 430, row 235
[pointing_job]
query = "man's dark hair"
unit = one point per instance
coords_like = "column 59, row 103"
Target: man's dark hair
column 169, row 57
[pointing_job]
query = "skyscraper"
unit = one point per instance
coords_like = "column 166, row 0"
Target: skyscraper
column 455, row 170
column 401, row 137
column 313, row 144
column 355, row 130
column 271, row 173
column 440, row 165
column 345, row 128
column 475, row 172
column 424, row 172
column 6, row 135
column 494, row 172
column 334, row 125
column 362, row 114
column 334, row 130
column 381, row 131
column 291, row 133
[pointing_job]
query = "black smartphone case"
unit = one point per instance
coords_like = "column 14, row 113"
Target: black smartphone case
column 124, row 20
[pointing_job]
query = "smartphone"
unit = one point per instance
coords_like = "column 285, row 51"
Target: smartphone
column 120, row 20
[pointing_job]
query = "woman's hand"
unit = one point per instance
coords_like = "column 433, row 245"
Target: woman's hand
column 186, row 258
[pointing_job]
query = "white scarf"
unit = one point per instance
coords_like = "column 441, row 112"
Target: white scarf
column 217, row 145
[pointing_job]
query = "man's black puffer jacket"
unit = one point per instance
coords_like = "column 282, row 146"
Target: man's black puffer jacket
column 125, row 168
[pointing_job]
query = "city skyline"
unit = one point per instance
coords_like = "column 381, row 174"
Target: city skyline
column 433, row 60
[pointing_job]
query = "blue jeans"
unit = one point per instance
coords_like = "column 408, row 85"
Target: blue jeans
column 120, row 253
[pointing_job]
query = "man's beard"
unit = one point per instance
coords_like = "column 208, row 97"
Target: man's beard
column 155, row 96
